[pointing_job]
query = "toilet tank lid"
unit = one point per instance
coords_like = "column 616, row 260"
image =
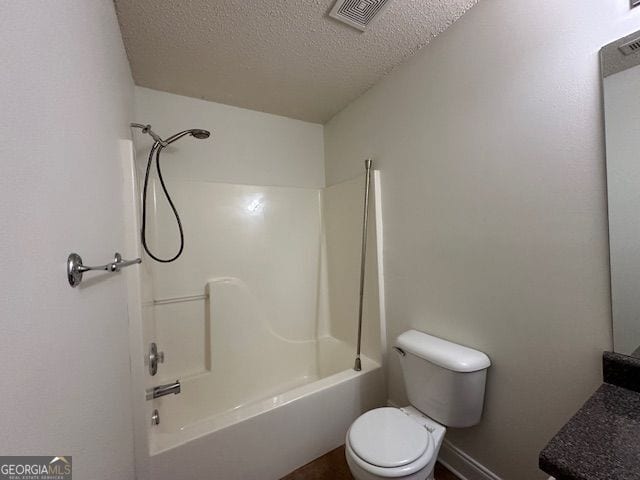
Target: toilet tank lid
column 443, row 353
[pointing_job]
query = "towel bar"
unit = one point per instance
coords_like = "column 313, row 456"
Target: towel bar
column 75, row 268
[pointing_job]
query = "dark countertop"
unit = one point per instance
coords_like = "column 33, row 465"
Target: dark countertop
column 601, row 441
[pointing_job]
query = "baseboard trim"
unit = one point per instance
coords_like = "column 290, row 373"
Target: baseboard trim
column 462, row 465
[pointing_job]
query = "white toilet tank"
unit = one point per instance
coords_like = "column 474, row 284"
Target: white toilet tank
column 444, row 380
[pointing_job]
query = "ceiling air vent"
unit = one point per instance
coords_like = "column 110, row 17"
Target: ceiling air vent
column 357, row 13
column 630, row 47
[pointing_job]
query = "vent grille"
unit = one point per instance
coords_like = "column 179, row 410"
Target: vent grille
column 357, row 13
column 630, row 47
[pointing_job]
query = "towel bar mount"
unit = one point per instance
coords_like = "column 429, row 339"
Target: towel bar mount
column 75, row 268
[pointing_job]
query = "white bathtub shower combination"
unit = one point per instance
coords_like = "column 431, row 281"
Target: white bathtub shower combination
column 257, row 320
column 207, row 404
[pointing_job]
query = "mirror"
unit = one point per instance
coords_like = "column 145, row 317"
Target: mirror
column 620, row 62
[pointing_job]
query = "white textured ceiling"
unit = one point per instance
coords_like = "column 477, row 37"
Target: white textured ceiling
column 286, row 57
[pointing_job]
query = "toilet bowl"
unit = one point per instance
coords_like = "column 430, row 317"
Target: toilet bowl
column 389, row 442
column 445, row 385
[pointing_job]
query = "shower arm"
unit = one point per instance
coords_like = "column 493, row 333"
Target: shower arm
column 154, row 135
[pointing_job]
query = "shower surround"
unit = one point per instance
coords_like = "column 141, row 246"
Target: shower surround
column 258, row 317
column 246, row 323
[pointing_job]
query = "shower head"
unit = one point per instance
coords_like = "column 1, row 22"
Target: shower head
column 194, row 132
column 200, row 134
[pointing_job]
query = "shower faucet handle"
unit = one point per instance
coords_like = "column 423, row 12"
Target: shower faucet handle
column 162, row 390
column 155, row 357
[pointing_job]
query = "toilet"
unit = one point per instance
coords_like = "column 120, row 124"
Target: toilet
column 445, row 385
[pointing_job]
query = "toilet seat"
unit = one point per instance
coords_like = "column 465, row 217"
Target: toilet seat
column 388, row 442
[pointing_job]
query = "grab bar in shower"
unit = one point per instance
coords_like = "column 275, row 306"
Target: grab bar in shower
column 193, row 298
column 184, row 298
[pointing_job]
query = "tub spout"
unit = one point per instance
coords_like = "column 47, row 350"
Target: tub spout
column 162, row 390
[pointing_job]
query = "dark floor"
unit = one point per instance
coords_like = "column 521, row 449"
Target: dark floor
column 333, row 466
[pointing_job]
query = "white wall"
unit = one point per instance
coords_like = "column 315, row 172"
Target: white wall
column 622, row 115
column 490, row 145
column 66, row 98
column 245, row 147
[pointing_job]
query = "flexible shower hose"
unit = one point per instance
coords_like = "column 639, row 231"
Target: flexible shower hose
column 157, row 148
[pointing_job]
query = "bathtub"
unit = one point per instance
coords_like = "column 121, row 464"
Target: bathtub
column 271, row 434
column 252, row 328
